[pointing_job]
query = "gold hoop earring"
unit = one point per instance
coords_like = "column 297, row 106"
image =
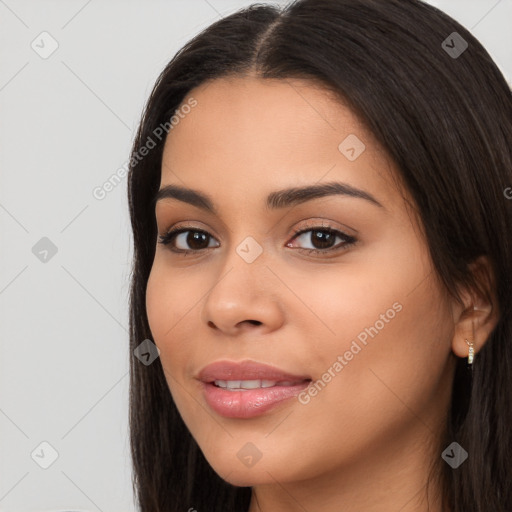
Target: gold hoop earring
column 471, row 354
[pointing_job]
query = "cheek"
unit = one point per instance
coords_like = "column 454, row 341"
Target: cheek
column 167, row 304
column 385, row 385
column 173, row 301
column 390, row 323
column 166, row 307
column 168, row 299
column 157, row 305
column 394, row 346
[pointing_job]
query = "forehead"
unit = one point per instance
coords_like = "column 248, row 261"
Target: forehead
column 245, row 132
column 285, row 111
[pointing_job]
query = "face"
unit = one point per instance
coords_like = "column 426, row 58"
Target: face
column 336, row 289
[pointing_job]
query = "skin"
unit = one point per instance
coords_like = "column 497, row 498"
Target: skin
column 366, row 440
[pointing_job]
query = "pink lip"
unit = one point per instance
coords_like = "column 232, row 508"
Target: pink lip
column 251, row 402
column 245, row 370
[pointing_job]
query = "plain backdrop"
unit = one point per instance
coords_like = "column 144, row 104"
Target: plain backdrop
column 68, row 118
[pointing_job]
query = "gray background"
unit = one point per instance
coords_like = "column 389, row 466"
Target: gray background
column 67, row 122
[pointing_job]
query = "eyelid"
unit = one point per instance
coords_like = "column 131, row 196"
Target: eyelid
column 320, row 223
column 188, row 225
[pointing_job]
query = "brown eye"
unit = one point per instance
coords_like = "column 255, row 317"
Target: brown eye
column 323, row 239
column 192, row 240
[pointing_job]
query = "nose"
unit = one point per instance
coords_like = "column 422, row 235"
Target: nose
column 244, row 297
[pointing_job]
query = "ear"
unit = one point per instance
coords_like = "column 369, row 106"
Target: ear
column 477, row 317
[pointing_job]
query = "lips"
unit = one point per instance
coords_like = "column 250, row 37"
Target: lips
column 248, row 389
column 246, row 371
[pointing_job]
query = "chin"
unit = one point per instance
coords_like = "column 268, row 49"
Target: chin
column 246, row 478
column 239, row 476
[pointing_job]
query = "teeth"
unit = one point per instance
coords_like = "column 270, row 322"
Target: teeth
column 233, row 384
column 248, row 384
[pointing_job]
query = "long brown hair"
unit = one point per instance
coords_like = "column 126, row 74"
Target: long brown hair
column 445, row 119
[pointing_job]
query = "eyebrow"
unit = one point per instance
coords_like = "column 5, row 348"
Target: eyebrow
column 275, row 200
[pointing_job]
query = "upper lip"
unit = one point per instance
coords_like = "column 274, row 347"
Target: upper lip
column 246, row 370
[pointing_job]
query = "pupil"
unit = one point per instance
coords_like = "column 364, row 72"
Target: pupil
column 323, row 237
column 196, row 237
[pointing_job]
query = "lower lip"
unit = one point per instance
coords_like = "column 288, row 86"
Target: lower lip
column 249, row 403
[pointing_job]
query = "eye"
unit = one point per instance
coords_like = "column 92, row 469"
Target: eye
column 196, row 239
column 323, row 239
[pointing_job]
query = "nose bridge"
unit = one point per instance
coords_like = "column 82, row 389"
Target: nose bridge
column 247, row 239
column 244, row 266
column 241, row 292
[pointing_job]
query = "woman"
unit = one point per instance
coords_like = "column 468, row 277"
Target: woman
column 322, row 237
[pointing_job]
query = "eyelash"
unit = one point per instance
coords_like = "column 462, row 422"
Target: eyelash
column 168, row 237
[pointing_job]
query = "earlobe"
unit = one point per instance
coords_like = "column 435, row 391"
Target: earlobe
column 464, row 335
column 477, row 318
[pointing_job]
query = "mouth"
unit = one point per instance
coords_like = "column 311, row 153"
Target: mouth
column 248, row 389
column 247, row 372
column 235, row 401
column 245, row 385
